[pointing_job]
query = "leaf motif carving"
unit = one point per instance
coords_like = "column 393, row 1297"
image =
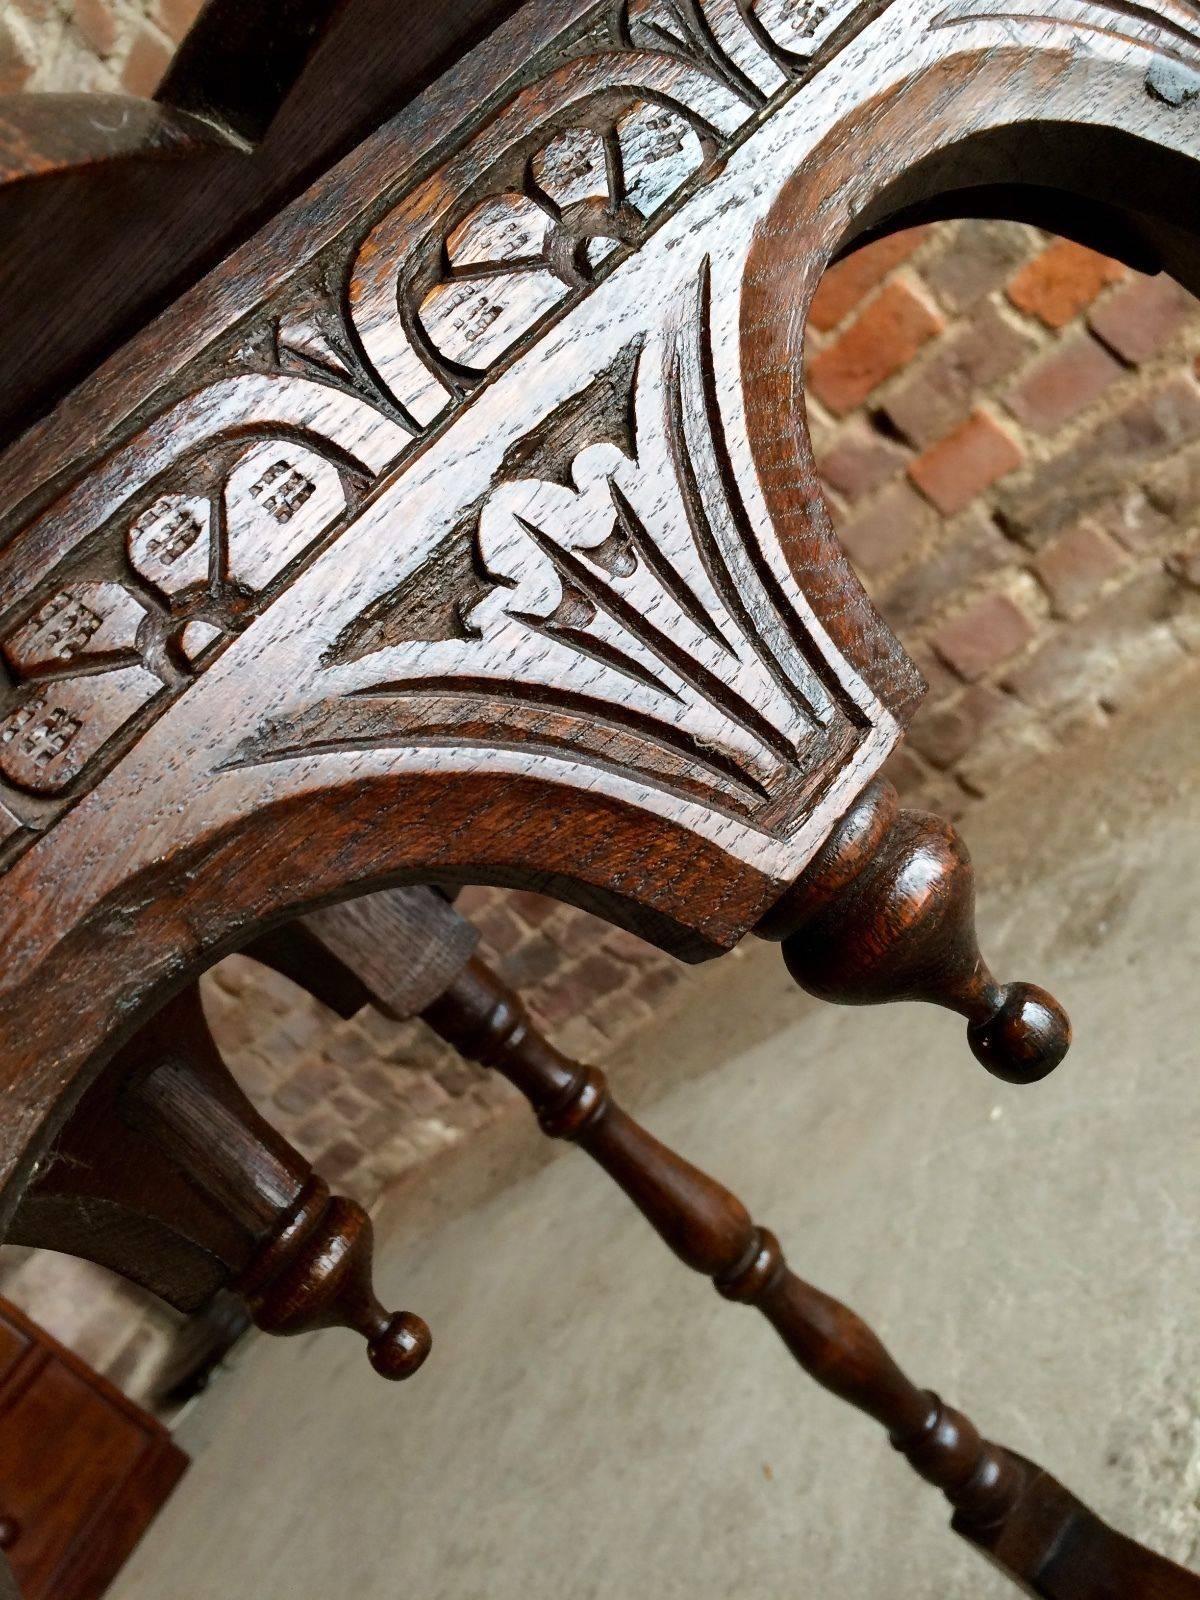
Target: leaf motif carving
column 349, row 367
column 619, row 595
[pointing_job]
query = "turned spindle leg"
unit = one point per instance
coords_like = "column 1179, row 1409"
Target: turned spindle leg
column 167, row 1174
column 1028, row 1524
column 886, row 911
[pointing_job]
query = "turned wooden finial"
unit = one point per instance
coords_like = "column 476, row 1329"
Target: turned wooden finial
column 886, row 911
column 316, row 1273
column 298, row 1255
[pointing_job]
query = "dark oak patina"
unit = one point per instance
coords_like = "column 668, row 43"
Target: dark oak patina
column 463, row 526
column 83, row 1472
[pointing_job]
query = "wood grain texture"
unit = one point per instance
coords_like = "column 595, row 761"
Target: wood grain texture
column 886, row 912
column 237, row 65
column 477, row 536
column 91, row 254
column 45, row 135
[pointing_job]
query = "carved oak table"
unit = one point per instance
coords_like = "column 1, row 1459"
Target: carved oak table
column 463, row 526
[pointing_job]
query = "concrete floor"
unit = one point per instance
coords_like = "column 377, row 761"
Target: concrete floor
column 595, row 1422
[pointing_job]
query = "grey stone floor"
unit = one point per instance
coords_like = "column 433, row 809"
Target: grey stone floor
column 595, row 1422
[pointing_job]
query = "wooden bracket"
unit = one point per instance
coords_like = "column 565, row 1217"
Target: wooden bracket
column 168, row 1175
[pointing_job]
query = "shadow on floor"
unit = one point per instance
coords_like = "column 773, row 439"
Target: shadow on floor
column 594, row 1422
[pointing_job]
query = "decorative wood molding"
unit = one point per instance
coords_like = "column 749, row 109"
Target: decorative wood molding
column 439, row 291
column 500, row 507
column 886, row 912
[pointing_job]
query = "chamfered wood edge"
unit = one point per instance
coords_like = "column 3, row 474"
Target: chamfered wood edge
column 219, row 940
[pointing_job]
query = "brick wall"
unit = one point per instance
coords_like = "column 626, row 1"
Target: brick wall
column 95, row 45
column 368, row 1098
column 1008, row 428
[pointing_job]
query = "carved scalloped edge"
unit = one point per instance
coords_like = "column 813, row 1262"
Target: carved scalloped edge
column 298, row 369
column 299, row 366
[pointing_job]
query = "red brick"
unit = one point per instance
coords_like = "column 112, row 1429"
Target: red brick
column 943, row 733
column 422, row 1096
column 1076, row 564
column 532, row 963
column 1133, row 520
column 339, row 1159
column 1173, row 488
column 1124, row 640
column 881, row 340
column 175, row 17
column 980, row 256
column 256, row 1075
column 235, row 1027
column 317, row 1131
column 974, row 549
column 377, row 1128
column 656, row 983
column 860, row 459
column 1185, row 565
column 966, row 462
column 1060, row 283
column 476, row 898
column 940, row 681
column 1016, row 741
column 378, row 1083
column 1068, row 378
column 576, row 932
column 1096, row 466
column 887, row 531
column 627, row 947
column 388, row 1041
column 95, row 21
column 16, row 59
column 577, row 991
column 148, row 59
column 459, row 1077
column 349, row 1105
column 601, row 974
column 308, row 1086
column 1139, row 320
column 532, row 908
column 990, row 631
column 850, row 281
column 499, row 930
column 945, row 388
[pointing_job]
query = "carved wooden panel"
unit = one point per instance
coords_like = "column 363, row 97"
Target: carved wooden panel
column 476, row 534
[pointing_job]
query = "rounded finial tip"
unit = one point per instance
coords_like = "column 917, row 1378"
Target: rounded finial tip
column 1025, row 1038
column 401, row 1347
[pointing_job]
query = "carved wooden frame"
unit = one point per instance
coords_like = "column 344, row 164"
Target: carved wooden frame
column 465, row 525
